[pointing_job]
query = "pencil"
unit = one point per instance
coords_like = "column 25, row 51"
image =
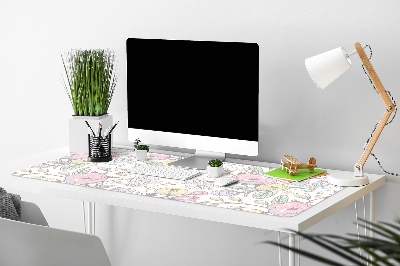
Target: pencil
column 101, row 127
column 90, row 132
column 89, row 127
column 112, row 128
column 106, row 132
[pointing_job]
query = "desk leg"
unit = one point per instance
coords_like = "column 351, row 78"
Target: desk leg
column 89, row 217
column 298, row 247
column 372, row 210
column 292, row 244
column 372, row 213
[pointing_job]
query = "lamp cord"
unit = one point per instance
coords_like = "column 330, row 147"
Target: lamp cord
column 387, row 123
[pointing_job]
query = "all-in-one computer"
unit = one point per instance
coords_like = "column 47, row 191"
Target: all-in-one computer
column 199, row 95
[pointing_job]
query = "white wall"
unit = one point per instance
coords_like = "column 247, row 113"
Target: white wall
column 295, row 117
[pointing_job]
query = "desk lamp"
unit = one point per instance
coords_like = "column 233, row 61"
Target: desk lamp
column 323, row 70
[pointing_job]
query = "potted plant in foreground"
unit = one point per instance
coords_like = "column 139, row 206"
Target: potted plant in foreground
column 384, row 250
column 214, row 168
column 140, row 150
column 90, row 83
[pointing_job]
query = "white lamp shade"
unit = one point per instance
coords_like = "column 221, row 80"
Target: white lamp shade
column 326, row 67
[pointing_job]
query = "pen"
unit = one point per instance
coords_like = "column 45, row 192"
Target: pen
column 97, row 131
column 100, row 129
column 90, row 132
column 89, row 127
column 112, row 129
column 106, row 132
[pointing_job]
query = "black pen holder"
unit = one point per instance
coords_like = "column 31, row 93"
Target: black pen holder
column 99, row 149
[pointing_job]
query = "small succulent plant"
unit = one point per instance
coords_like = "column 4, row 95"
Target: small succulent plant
column 140, row 147
column 215, row 163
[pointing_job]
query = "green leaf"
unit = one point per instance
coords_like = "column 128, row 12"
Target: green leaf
column 307, row 254
column 384, row 251
column 215, row 163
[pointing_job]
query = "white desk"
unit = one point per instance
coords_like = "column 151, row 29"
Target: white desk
column 297, row 223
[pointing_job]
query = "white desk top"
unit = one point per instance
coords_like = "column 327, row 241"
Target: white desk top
column 300, row 222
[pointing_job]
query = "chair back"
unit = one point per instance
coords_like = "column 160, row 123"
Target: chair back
column 23, row 243
column 32, row 214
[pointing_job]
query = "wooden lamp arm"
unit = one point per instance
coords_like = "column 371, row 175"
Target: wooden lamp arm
column 374, row 138
column 371, row 71
column 389, row 109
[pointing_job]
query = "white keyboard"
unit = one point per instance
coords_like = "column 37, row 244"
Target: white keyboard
column 165, row 172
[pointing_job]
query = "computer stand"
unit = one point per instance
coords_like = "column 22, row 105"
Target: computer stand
column 199, row 160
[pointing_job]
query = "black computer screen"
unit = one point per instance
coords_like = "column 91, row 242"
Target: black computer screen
column 193, row 87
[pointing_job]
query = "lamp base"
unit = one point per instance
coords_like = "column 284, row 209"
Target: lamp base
column 347, row 179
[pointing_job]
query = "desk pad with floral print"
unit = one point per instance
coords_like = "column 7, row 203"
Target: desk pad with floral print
column 255, row 192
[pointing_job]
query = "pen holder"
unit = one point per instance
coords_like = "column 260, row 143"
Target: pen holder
column 99, row 149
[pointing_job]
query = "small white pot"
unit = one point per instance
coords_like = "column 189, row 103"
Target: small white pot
column 214, row 171
column 78, row 131
column 141, row 155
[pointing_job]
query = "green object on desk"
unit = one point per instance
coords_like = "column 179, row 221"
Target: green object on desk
column 304, row 173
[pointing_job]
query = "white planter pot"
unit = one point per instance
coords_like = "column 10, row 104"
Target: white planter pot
column 141, row 155
column 78, row 131
column 214, row 171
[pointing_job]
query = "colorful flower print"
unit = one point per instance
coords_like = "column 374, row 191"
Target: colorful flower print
column 246, row 190
column 43, row 165
column 186, row 198
column 274, row 187
column 85, row 178
column 114, row 155
column 200, row 183
column 79, row 156
column 140, row 181
column 264, row 194
column 125, row 160
column 254, row 210
column 302, row 196
column 225, row 192
column 288, row 209
column 171, row 191
column 124, row 190
column 304, row 182
column 256, row 192
column 254, row 179
column 197, row 193
column 255, row 170
column 76, row 157
column 78, row 162
column 164, row 163
column 47, row 179
column 159, row 156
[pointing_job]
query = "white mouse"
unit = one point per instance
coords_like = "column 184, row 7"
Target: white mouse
column 224, row 181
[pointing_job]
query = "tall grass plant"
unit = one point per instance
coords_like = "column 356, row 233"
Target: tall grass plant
column 91, row 80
